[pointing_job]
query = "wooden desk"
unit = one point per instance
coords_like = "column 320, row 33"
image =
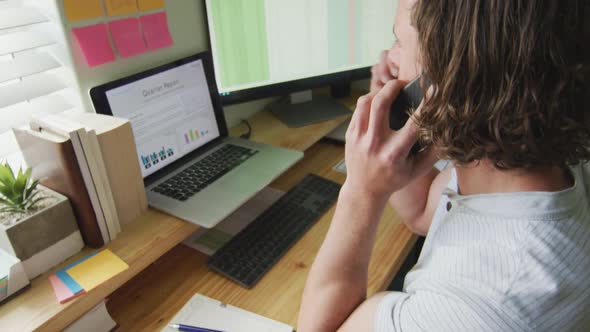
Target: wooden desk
column 154, row 237
column 266, row 128
column 140, row 244
column 151, row 299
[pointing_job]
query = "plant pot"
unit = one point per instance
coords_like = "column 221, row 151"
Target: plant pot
column 44, row 238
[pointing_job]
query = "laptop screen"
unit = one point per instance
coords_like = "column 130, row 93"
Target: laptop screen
column 171, row 114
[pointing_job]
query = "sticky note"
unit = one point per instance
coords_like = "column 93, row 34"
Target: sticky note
column 156, row 31
column 62, row 292
column 67, row 280
column 121, row 7
column 127, row 37
column 151, row 4
column 78, row 10
column 98, row 269
column 94, row 42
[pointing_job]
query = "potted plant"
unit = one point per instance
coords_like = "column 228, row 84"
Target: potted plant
column 18, row 195
column 37, row 225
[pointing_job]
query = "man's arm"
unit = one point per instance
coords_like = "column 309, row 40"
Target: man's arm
column 363, row 317
column 337, row 282
column 339, row 274
column 417, row 202
column 378, row 163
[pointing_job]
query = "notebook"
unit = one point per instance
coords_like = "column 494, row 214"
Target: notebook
column 205, row 312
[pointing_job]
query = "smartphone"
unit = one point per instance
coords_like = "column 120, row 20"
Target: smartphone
column 408, row 100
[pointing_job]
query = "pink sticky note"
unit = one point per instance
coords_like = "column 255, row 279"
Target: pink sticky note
column 62, row 292
column 94, row 42
column 127, row 37
column 156, row 31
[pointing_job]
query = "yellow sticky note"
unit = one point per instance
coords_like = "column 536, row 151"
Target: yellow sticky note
column 151, row 4
column 121, row 7
column 97, row 269
column 78, row 10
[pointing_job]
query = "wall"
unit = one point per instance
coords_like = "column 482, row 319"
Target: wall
column 188, row 28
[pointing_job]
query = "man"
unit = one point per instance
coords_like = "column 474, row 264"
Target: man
column 508, row 227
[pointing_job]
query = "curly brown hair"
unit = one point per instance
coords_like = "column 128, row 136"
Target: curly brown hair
column 511, row 80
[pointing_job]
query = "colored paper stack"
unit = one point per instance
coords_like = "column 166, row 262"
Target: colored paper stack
column 86, row 274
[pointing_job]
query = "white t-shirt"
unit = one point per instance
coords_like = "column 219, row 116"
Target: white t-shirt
column 500, row 262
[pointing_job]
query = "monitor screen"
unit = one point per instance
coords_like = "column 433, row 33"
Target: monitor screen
column 171, row 114
column 257, row 43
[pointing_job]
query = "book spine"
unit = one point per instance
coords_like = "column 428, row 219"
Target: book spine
column 90, row 186
column 56, row 165
column 101, row 182
column 118, row 150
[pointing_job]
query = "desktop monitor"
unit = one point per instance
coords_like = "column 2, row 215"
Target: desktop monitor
column 265, row 48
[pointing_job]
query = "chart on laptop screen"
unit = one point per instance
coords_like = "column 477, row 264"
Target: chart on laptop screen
column 262, row 42
column 171, row 114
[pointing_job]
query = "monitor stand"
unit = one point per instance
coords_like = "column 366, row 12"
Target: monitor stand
column 301, row 109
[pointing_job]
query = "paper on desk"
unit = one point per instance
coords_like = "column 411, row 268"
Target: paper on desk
column 156, row 31
column 121, row 7
column 127, row 37
column 67, row 279
column 208, row 313
column 77, row 10
column 97, row 269
column 62, row 292
column 341, row 167
column 151, row 4
column 208, row 241
column 94, row 42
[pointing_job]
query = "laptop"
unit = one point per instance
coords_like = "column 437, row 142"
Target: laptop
column 191, row 168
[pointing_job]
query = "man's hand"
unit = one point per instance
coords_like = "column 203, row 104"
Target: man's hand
column 378, row 159
column 386, row 70
column 378, row 163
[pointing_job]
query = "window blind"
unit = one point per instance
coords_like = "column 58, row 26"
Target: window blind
column 36, row 75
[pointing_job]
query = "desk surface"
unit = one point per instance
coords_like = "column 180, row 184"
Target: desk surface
column 150, row 300
column 155, row 235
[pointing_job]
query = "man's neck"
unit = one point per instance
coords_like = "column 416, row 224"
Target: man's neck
column 483, row 178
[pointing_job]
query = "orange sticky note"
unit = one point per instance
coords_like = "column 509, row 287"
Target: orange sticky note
column 94, row 42
column 127, row 37
column 156, row 31
column 78, row 10
column 151, row 4
column 121, row 7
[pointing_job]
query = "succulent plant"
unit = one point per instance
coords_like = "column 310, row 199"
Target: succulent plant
column 18, row 192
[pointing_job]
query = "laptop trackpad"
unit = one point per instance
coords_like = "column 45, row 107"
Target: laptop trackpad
column 245, row 180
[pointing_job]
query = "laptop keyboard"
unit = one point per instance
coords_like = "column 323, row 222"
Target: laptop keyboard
column 204, row 172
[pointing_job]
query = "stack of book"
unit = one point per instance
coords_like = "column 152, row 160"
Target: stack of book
column 91, row 159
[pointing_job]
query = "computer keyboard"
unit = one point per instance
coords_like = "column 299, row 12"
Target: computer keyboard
column 204, row 172
column 253, row 251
